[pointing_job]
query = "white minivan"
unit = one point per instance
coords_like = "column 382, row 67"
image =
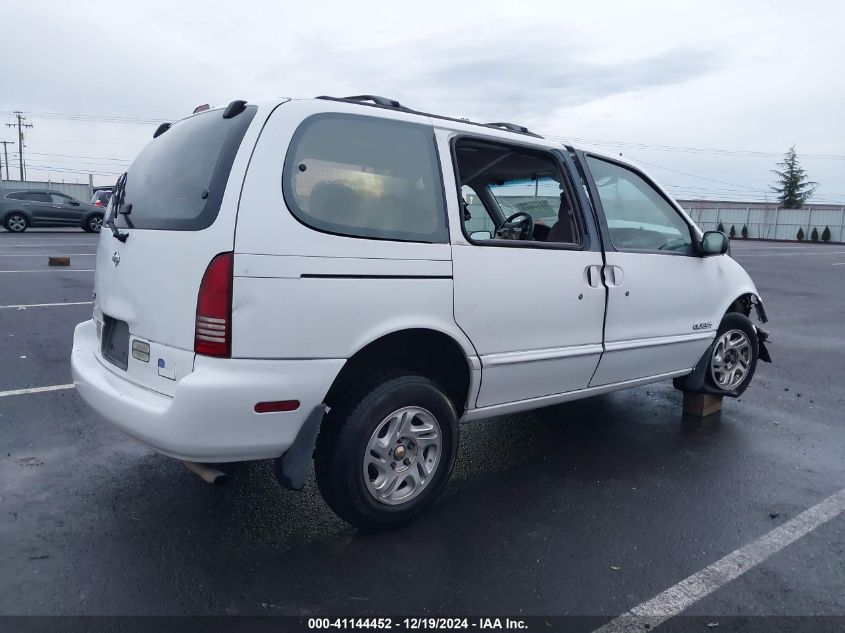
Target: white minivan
column 348, row 279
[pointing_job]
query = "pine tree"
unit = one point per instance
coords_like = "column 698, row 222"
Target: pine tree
column 814, row 235
column 800, row 235
column 793, row 187
column 826, row 234
column 721, row 228
column 744, row 232
column 733, row 231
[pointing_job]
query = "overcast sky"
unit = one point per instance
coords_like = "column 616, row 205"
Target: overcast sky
column 748, row 79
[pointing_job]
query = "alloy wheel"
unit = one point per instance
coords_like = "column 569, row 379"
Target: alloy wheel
column 402, row 455
column 16, row 223
column 731, row 359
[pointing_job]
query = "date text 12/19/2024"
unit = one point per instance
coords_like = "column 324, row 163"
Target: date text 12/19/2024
column 415, row 624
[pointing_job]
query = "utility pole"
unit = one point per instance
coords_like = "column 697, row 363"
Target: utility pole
column 6, row 153
column 20, row 125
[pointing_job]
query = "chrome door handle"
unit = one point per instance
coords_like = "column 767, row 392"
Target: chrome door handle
column 593, row 273
column 615, row 276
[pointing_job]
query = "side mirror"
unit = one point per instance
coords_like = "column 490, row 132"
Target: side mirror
column 713, row 243
column 480, row 235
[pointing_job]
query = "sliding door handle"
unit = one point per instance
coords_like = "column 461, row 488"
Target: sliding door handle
column 615, row 276
column 593, row 276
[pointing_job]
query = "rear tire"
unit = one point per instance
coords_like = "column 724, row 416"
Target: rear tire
column 93, row 223
column 16, row 222
column 733, row 358
column 386, row 450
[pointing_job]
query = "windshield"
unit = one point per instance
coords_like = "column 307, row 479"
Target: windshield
column 539, row 197
column 177, row 181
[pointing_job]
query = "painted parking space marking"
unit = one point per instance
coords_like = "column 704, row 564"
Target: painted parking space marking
column 683, row 595
column 838, row 264
column 24, row 306
column 48, row 255
column 21, row 392
column 65, row 270
column 61, row 242
column 805, row 253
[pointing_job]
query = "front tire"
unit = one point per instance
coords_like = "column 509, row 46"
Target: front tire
column 386, row 450
column 16, row 222
column 733, row 357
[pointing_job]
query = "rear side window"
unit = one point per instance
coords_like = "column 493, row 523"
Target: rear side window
column 177, row 181
column 366, row 177
column 17, row 196
column 37, row 196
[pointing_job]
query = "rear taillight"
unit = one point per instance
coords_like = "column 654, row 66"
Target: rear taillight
column 213, row 331
column 99, row 203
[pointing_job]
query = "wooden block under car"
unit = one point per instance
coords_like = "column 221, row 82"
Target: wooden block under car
column 701, row 404
column 58, row 261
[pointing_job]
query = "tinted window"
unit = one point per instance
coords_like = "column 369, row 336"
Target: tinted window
column 638, row 216
column 366, row 177
column 38, row 196
column 17, row 196
column 60, row 199
column 178, row 179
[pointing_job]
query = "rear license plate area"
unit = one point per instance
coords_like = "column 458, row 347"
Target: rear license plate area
column 115, row 342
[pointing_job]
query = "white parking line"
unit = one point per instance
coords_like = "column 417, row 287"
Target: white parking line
column 676, row 599
column 62, row 242
column 50, row 255
column 20, row 392
column 838, row 264
column 58, row 270
column 791, row 254
column 24, row 306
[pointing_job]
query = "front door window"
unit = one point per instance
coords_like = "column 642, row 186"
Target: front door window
column 638, row 217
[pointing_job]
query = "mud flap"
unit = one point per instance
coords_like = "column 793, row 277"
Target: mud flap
column 291, row 467
column 762, row 350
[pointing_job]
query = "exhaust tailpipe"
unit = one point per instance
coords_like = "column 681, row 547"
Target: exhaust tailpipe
column 208, row 474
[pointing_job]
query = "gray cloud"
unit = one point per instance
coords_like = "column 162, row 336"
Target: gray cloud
column 660, row 73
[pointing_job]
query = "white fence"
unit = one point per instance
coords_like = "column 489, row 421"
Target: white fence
column 771, row 224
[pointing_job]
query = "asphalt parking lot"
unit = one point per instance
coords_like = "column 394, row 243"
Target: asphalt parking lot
column 589, row 509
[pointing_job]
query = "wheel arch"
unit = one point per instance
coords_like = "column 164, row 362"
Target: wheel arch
column 430, row 351
column 745, row 302
column 12, row 211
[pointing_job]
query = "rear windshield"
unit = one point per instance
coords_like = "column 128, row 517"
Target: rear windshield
column 177, row 181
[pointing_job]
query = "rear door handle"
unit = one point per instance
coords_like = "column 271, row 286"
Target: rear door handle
column 593, row 276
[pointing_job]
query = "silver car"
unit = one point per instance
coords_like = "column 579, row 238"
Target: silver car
column 43, row 207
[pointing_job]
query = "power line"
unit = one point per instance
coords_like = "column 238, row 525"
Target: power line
column 73, row 157
column 684, row 173
column 75, row 141
column 691, row 149
column 95, row 118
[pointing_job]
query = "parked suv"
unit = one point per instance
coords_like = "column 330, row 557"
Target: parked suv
column 348, row 278
column 44, row 207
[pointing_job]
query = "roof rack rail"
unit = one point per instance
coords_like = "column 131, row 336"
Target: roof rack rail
column 382, row 101
column 512, row 127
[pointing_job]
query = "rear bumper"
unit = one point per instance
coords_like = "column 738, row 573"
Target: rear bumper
column 211, row 416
